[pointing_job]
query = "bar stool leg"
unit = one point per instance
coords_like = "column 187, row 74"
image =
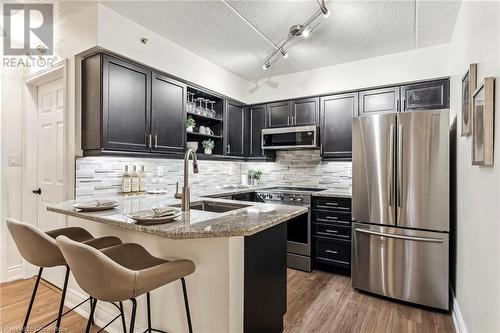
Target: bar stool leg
column 123, row 318
column 149, row 311
column 25, row 324
column 186, row 304
column 132, row 318
column 63, row 296
column 91, row 315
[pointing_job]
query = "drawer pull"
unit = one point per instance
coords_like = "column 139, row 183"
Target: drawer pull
column 328, row 221
column 332, row 231
column 331, row 251
column 336, row 207
column 331, row 203
column 332, row 217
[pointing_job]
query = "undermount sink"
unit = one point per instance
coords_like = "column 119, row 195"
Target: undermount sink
column 216, row 207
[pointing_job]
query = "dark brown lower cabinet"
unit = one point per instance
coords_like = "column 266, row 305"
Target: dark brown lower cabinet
column 331, row 231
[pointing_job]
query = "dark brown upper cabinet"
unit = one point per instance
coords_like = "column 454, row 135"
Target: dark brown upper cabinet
column 305, row 112
column 168, row 123
column 426, row 96
column 257, row 123
column 235, row 130
column 384, row 100
column 336, row 114
column 279, row 114
column 117, row 112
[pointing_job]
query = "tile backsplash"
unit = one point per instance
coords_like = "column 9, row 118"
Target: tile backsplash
column 102, row 175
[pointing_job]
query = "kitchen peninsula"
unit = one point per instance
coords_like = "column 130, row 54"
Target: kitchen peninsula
column 239, row 250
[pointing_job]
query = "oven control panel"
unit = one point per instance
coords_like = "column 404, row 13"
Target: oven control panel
column 285, row 198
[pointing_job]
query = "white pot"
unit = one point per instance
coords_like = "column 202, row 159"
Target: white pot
column 189, row 129
column 208, row 151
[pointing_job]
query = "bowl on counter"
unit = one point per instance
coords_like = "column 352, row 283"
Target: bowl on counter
column 192, row 145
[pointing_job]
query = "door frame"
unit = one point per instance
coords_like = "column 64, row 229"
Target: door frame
column 30, row 159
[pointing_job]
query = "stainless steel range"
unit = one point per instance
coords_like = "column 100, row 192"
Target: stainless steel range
column 299, row 228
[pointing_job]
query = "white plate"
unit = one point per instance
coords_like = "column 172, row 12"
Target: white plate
column 156, row 220
column 95, row 206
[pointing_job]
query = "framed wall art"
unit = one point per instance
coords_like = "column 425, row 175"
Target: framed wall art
column 469, row 85
column 483, row 125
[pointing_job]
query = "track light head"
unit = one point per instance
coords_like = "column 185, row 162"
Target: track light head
column 266, row 65
column 326, row 13
column 284, row 53
column 306, row 32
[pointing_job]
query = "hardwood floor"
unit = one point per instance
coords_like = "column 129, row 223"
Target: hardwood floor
column 14, row 300
column 325, row 302
column 317, row 302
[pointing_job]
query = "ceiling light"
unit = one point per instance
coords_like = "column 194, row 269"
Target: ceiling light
column 284, row 53
column 326, row 13
column 266, row 65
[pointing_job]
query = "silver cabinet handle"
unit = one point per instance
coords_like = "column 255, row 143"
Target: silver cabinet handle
column 332, row 217
column 413, row 238
column 156, row 140
column 321, row 150
column 332, row 231
column 288, row 121
column 331, row 251
column 228, row 149
column 148, row 141
column 331, row 204
column 293, row 120
column 400, row 163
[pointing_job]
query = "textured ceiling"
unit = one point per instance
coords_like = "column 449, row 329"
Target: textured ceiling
column 355, row 30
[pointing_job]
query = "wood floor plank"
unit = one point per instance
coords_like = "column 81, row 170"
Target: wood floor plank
column 318, row 302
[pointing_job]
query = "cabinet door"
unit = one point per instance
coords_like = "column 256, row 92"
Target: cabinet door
column 426, row 96
column 234, row 129
column 305, row 112
column 168, row 117
column 385, row 100
column 126, row 105
column 336, row 125
column 279, row 114
column 257, row 123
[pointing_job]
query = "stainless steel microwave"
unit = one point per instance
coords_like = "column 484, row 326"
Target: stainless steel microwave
column 300, row 137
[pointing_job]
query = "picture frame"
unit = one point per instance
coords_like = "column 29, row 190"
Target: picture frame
column 483, row 126
column 469, row 85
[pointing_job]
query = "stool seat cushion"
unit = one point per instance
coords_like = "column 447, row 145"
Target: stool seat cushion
column 40, row 249
column 122, row 271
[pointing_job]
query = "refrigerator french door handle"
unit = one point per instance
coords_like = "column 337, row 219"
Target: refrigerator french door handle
column 418, row 239
column 391, row 166
column 400, row 164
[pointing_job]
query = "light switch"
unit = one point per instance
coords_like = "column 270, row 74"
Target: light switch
column 15, row 160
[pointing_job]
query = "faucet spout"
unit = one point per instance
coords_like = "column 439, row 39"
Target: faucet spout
column 186, row 191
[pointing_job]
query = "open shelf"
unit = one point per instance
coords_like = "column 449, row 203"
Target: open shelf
column 204, row 135
column 199, row 116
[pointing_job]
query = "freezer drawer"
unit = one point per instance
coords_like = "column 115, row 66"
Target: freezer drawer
column 408, row 265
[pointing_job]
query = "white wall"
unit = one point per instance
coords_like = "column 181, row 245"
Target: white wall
column 11, row 145
column 477, row 39
column 122, row 35
column 412, row 65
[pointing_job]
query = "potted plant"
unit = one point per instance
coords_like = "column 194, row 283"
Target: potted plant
column 190, row 124
column 254, row 176
column 208, row 145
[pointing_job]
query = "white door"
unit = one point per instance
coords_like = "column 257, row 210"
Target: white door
column 50, row 142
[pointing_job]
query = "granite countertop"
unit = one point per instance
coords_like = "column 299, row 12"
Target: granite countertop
column 193, row 224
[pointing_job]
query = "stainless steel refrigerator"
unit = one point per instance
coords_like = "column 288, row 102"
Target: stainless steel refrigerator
column 400, row 206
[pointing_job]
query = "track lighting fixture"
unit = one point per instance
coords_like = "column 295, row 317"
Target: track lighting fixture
column 303, row 30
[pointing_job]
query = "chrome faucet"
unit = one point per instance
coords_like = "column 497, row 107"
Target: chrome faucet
column 186, row 191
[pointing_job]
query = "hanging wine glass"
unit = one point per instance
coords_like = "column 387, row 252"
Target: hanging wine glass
column 213, row 114
column 199, row 108
column 206, row 111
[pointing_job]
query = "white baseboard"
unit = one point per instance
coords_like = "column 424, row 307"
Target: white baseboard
column 458, row 320
column 104, row 312
column 15, row 273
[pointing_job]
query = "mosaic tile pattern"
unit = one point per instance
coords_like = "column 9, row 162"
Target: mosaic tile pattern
column 102, row 175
